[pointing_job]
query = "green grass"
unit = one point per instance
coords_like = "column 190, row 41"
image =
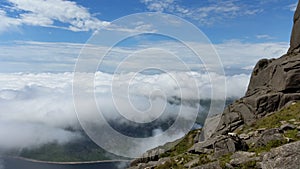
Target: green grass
column 268, row 147
column 203, row 159
column 292, row 134
column 183, row 146
column 273, row 121
column 225, row 159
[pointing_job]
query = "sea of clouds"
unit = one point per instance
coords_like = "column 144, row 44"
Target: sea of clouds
column 38, row 108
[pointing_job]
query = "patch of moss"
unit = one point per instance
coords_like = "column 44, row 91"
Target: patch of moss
column 225, row 159
column 203, row 159
column 292, row 134
column 249, row 164
column 268, row 147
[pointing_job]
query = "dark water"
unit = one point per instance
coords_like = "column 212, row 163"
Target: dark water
column 11, row 163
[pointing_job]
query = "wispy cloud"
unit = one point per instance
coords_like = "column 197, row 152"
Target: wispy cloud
column 265, row 36
column 48, row 13
column 157, row 5
column 206, row 14
column 24, row 56
column 292, row 7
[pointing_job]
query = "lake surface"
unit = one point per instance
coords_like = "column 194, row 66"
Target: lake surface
column 12, row 163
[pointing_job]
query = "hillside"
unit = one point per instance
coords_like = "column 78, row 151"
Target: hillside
column 252, row 146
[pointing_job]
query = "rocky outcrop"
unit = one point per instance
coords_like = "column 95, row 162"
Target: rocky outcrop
column 214, row 165
column 150, row 155
column 295, row 37
column 286, row 156
column 274, row 85
column 220, row 145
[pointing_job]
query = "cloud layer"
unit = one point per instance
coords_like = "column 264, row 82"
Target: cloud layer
column 61, row 57
column 36, row 108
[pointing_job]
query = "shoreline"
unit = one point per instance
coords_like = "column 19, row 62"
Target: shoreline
column 67, row 163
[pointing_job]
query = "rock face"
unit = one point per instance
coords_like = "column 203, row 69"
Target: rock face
column 273, row 84
column 295, row 37
column 286, row 156
column 220, row 145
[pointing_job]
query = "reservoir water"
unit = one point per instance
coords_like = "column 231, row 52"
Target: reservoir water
column 13, row 163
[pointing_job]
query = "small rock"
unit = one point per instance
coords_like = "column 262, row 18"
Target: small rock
column 298, row 134
column 227, row 144
column 260, row 130
column 229, row 166
column 251, row 133
column 214, row 165
column 258, row 164
column 283, row 122
column 244, row 136
column 267, row 136
column 287, row 126
column 191, row 163
column 239, row 161
column 297, row 123
column 179, row 161
column 242, row 157
column 162, row 161
column 292, row 120
column 232, row 134
column 243, row 154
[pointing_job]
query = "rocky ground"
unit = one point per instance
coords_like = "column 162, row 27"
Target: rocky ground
column 260, row 130
column 272, row 142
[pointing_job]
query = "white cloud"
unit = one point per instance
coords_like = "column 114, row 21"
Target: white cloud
column 238, row 54
column 7, row 22
column 292, row 7
column 156, row 5
column 46, row 12
column 208, row 14
column 30, row 135
column 264, row 36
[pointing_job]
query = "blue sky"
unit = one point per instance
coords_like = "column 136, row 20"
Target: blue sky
column 29, row 28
